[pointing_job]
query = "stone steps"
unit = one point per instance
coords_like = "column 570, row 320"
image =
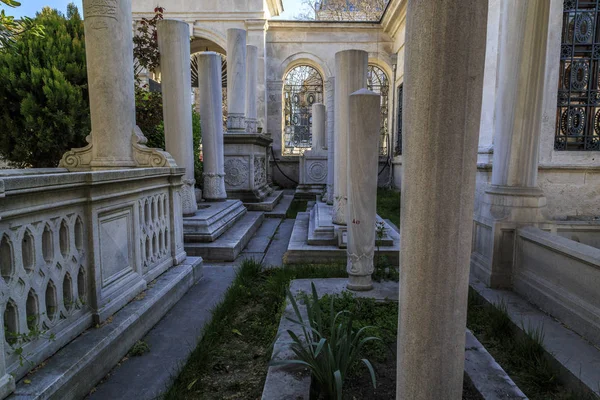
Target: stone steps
column 268, row 204
column 282, row 208
column 229, row 245
column 257, row 247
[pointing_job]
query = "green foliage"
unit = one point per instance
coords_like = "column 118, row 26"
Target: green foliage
column 388, row 205
column 11, row 28
column 329, row 345
column 197, row 140
column 44, row 107
column 139, row 348
column 145, row 41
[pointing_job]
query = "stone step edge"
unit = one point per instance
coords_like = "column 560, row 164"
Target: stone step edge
column 76, row 368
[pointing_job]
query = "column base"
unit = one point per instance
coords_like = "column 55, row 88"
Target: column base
column 504, row 210
column 359, row 283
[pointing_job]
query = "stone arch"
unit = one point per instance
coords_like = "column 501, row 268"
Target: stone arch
column 304, row 58
column 203, row 35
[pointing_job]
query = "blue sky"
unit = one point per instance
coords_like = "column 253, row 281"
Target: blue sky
column 30, row 7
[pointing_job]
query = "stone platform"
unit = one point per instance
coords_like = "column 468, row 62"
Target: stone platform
column 267, row 204
column 231, row 243
column 212, row 220
column 315, row 239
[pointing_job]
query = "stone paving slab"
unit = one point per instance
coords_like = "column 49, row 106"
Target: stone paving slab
column 171, row 341
column 279, row 244
column 282, row 208
column 265, row 233
column 575, row 357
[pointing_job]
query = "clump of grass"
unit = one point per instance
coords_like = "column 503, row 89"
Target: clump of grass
column 296, row 207
column 231, row 360
column 388, row 205
column 139, row 348
column 521, row 352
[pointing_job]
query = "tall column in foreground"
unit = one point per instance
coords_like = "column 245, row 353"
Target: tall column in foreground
column 211, row 100
column 350, row 75
column 251, row 86
column 444, row 65
column 236, row 80
column 363, row 144
column 174, row 46
column 329, row 91
column 514, row 198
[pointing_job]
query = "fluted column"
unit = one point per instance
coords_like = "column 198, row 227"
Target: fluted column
column 251, row 86
column 443, row 82
column 363, row 144
column 109, row 49
column 236, row 80
column 211, row 100
column 350, row 75
column 174, row 46
column 329, row 91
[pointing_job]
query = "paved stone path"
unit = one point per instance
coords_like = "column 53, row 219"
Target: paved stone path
column 172, row 340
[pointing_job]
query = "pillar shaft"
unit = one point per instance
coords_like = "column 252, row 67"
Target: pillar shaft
column 319, row 120
column 174, row 46
column 520, row 84
column 363, row 143
column 251, row 87
column 350, row 75
column 211, row 100
column 444, row 64
column 236, row 80
column 109, row 49
column 329, row 90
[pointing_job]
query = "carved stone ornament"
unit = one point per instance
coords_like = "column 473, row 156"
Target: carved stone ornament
column 144, row 157
column 260, row 172
column 317, row 171
column 236, row 172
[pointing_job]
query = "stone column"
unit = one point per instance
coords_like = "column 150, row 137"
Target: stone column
column 174, row 47
column 350, row 75
column 319, row 119
column 236, row 80
column 363, row 144
column 251, row 86
column 444, row 62
column 109, row 49
column 210, row 99
column 514, row 198
column 329, row 91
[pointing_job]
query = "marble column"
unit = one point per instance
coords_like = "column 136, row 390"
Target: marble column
column 211, row 100
column 251, row 86
column 351, row 75
column 236, row 80
column 363, row 143
column 514, row 198
column 174, row 47
column 329, row 91
column 319, row 120
column 444, row 65
column 109, row 49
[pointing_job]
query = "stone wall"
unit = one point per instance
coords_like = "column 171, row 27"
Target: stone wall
column 76, row 247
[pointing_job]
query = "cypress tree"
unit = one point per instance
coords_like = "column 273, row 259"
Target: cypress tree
column 44, row 105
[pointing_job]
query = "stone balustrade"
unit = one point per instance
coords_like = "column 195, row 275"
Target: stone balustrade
column 74, row 249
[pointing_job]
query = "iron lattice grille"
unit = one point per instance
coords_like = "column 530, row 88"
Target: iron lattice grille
column 377, row 81
column 303, row 86
column 578, row 116
column 399, row 122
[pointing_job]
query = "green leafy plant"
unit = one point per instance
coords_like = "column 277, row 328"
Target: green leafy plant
column 328, row 347
column 145, row 42
column 139, row 348
column 44, row 106
column 11, row 28
column 17, row 341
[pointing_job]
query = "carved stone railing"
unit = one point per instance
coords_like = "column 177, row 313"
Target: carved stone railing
column 74, row 249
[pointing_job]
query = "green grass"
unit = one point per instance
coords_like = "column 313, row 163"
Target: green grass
column 296, row 207
column 231, row 360
column 388, row 205
column 521, row 354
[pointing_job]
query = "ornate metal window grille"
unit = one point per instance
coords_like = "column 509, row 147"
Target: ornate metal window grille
column 378, row 82
column 398, row 149
column 303, row 86
column 578, row 116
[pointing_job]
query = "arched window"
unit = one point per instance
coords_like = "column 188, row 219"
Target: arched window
column 302, row 87
column 378, row 82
